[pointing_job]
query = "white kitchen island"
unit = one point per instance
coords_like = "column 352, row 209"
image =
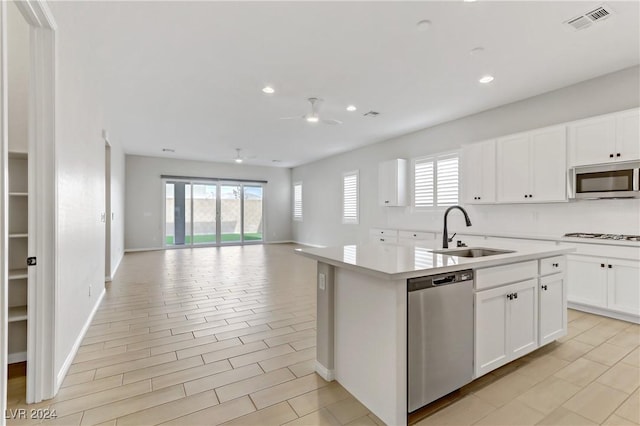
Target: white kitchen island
column 362, row 312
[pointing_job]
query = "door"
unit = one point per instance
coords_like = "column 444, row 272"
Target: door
column 549, row 165
column 587, row 280
column 592, row 141
column 522, row 317
column 207, row 213
column 623, row 284
column 513, row 169
column 628, row 135
column 490, row 330
column 230, row 213
column 553, row 310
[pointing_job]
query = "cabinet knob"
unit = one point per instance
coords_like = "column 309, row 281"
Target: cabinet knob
column 618, row 155
column 544, row 287
column 515, row 295
column 555, row 265
column 610, row 155
column 386, row 202
column 530, row 196
column 526, row 196
column 509, row 296
column 479, row 198
column 610, row 266
column 602, row 265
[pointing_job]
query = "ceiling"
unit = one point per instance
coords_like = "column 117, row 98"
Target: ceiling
column 188, row 75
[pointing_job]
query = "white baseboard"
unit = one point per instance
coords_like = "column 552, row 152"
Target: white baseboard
column 72, row 353
column 143, row 249
column 309, row 244
column 324, row 372
column 114, row 270
column 16, row 357
column 604, row 312
column 279, row 242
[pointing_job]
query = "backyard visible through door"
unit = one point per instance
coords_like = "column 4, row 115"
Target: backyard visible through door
column 212, row 213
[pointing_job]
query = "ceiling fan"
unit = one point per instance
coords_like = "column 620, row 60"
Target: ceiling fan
column 313, row 116
column 239, row 157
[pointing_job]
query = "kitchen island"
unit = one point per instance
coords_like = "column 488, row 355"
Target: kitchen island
column 362, row 312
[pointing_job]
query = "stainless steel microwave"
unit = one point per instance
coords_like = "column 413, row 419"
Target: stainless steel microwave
column 616, row 180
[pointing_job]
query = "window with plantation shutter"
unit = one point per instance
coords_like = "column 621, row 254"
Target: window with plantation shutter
column 350, row 197
column 297, row 201
column 435, row 181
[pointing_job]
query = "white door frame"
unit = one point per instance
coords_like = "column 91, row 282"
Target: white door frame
column 42, row 291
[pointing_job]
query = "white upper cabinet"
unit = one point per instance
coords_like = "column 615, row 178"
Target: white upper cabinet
column 479, row 172
column 392, row 183
column 603, row 139
column 532, row 166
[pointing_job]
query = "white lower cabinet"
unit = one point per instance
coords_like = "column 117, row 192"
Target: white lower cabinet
column 506, row 324
column 553, row 308
column 612, row 284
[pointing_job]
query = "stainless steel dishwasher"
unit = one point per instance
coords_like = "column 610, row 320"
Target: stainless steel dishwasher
column 439, row 336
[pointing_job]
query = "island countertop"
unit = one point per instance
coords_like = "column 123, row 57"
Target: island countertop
column 397, row 261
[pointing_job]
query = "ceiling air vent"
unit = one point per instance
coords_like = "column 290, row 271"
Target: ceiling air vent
column 584, row 21
column 371, row 114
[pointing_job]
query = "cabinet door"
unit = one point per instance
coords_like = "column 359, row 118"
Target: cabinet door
column 513, row 169
column 490, row 330
column 488, row 169
column 592, row 141
column 522, row 317
column 553, row 308
column 387, row 179
column 587, row 280
column 623, row 283
column 628, row 135
column 549, row 165
column 472, row 168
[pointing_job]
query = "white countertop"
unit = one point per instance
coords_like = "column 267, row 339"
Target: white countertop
column 397, row 261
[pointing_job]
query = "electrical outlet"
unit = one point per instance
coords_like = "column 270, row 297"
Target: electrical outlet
column 322, row 281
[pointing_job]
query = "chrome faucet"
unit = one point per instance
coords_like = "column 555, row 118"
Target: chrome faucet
column 445, row 233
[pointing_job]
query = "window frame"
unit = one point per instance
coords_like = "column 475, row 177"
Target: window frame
column 435, row 157
column 356, row 220
column 293, row 199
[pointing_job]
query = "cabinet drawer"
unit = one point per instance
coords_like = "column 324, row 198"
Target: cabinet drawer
column 500, row 275
column 379, row 232
column 552, row 265
column 416, row 235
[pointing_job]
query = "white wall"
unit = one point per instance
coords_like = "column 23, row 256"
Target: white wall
column 18, row 78
column 80, row 178
column 322, row 189
column 145, row 203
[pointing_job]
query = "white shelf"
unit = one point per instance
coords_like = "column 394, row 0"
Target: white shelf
column 18, row 194
column 18, row 313
column 16, row 274
column 25, row 235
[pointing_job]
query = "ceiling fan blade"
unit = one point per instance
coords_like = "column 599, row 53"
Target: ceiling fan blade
column 331, row 122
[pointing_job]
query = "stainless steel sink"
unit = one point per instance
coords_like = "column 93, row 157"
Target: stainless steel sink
column 473, row 252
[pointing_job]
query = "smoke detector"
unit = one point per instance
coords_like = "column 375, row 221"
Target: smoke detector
column 598, row 14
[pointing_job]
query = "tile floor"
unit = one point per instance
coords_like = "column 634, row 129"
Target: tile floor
column 227, row 335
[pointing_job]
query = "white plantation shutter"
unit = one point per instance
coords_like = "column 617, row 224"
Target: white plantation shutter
column 447, row 180
column 297, row 201
column 350, row 197
column 435, row 181
column 423, row 183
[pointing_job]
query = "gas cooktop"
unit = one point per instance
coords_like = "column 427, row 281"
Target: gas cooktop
column 604, row 236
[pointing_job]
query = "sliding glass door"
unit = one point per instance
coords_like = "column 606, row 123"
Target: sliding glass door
column 206, row 213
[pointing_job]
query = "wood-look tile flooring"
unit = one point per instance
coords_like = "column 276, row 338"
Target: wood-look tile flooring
column 227, row 336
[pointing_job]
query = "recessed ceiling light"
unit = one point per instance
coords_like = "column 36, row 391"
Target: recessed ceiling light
column 313, row 119
column 423, row 25
column 268, row 90
column 238, row 160
column 486, row 79
column 351, row 108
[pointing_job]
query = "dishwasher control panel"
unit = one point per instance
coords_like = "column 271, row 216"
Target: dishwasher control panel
column 414, row 284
